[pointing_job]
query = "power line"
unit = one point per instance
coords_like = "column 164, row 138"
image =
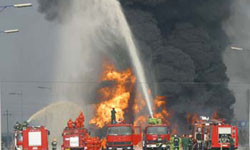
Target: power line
column 138, row 82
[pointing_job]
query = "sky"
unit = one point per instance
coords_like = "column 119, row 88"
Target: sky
column 27, row 63
column 26, row 57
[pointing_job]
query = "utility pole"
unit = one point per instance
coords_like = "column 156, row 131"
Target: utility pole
column 20, row 93
column 1, row 115
column 7, row 114
column 248, row 110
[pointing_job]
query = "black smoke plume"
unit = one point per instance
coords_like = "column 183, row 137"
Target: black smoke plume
column 183, row 41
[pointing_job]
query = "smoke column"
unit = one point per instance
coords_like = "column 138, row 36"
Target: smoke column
column 183, row 44
column 91, row 28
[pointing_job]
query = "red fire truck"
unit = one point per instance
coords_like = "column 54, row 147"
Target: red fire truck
column 122, row 136
column 30, row 137
column 214, row 134
column 156, row 135
column 76, row 137
column 221, row 134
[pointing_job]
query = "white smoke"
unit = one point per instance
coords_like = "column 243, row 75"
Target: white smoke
column 91, row 29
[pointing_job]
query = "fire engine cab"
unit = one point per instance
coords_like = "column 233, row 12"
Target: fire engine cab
column 122, row 136
column 156, row 135
column 214, row 134
column 76, row 137
column 30, row 137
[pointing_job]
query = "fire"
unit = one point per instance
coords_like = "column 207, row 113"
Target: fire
column 215, row 115
column 116, row 96
column 141, row 120
column 174, row 129
column 159, row 101
column 139, row 104
column 188, row 117
column 159, row 109
column 195, row 118
column 103, row 143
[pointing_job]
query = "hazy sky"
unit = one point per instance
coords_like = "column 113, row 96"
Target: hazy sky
column 27, row 58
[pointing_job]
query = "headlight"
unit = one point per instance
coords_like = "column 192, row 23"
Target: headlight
column 110, row 147
column 128, row 147
column 151, row 145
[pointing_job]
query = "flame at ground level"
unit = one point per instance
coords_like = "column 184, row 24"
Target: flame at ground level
column 116, row 96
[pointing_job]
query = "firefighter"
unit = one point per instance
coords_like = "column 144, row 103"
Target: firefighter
column 81, row 119
column 17, row 126
column 175, row 143
column 190, row 142
column 171, row 142
column 54, row 143
column 70, row 124
column 231, row 141
column 113, row 117
column 25, row 125
column 185, row 141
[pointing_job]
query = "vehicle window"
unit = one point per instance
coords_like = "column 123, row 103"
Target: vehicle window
column 119, row 131
column 157, row 130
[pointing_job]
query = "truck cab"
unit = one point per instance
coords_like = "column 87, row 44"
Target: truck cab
column 121, row 136
column 156, row 135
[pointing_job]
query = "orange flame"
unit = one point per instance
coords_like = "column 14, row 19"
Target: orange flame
column 103, row 143
column 174, row 129
column 141, row 120
column 159, row 109
column 117, row 96
column 195, row 118
column 139, row 104
column 215, row 115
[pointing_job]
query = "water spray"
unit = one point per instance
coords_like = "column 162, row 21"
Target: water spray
column 135, row 60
